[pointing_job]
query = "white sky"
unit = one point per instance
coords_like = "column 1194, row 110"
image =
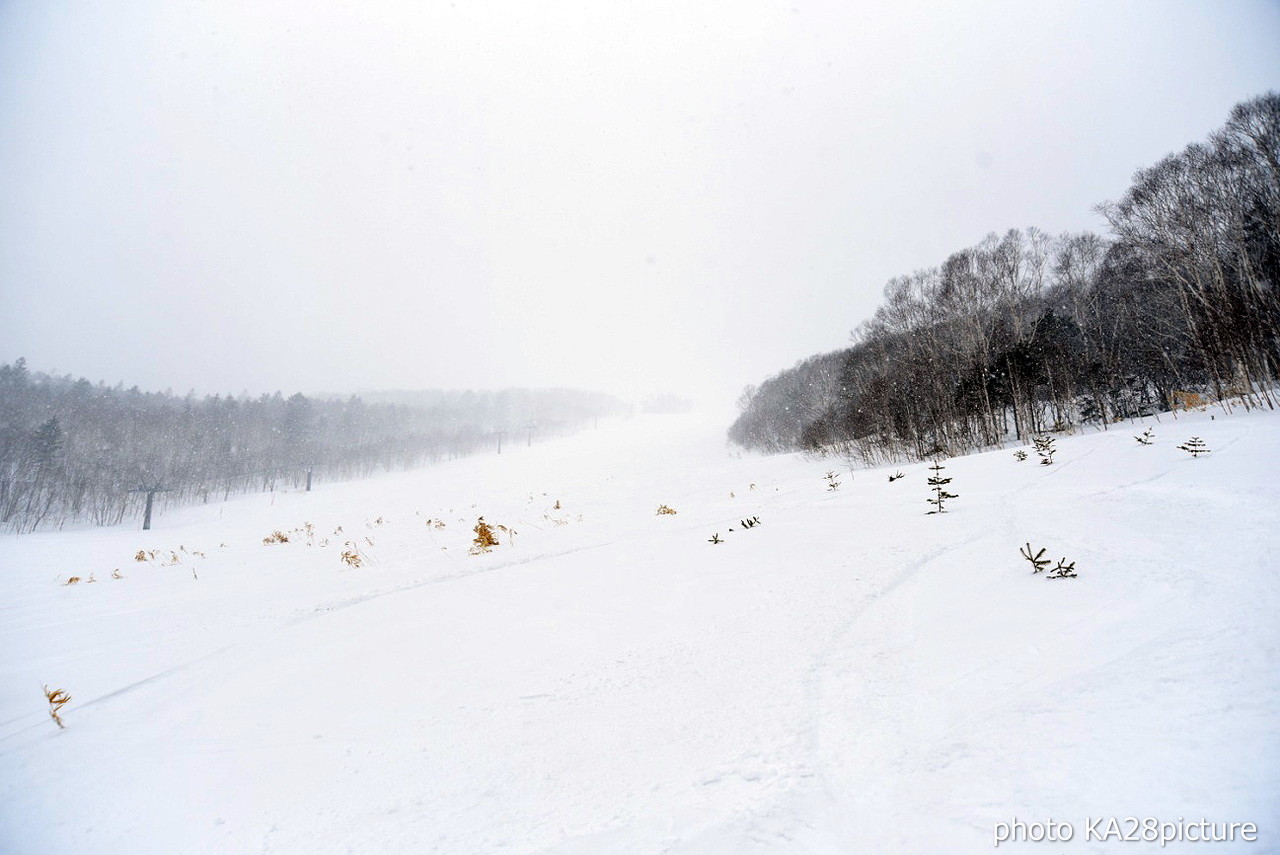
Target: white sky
column 633, row 197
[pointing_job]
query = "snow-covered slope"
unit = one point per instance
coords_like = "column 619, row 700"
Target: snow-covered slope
column 849, row 676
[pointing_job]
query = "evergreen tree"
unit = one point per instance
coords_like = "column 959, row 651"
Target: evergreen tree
column 46, row 445
column 1195, row 447
column 940, row 494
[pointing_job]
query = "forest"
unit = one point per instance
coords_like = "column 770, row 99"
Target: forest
column 72, row 450
column 1026, row 332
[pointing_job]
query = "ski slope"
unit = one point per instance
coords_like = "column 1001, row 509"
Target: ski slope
column 850, row 676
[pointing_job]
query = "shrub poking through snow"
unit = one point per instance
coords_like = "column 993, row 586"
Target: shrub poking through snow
column 1020, row 455
column 1146, row 438
column 275, row 537
column 1044, row 448
column 74, row 580
column 485, row 538
column 665, row 509
column 140, row 555
column 57, row 699
column 351, row 555
column 895, row 476
column 1038, row 561
column 832, row 483
column 940, row 494
column 1194, row 446
column 1063, row 570
column 715, row 538
column 749, row 523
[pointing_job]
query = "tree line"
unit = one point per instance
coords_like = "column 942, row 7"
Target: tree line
column 72, row 450
column 1028, row 332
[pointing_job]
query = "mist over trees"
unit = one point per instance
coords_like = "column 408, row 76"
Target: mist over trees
column 1027, row 332
column 71, row 450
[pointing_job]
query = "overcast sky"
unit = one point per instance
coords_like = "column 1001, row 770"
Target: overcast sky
column 632, row 197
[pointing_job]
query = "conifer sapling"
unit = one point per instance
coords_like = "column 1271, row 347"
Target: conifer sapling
column 940, row 494
column 1195, row 447
column 1063, row 570
column 1038, row 561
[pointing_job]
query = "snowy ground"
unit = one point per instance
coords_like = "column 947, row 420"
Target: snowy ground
column 851, row 676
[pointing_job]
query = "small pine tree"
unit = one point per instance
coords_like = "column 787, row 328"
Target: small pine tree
column 940, row 494
column 1147, row 437
column 1038, row 561
column 832, row 483
column 1194, row 446
column 1044, row 448
column 1020, row 455
column 895, row 476
column 1063, row 570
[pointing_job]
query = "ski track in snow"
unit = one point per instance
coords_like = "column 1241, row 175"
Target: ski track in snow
column 850, row 676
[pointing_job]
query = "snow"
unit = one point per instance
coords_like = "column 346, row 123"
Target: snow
column 849, row 676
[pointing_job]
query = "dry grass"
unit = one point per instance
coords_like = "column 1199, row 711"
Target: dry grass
column 1187, row 401
column 351, row 555
column 275, row 537
column 485, row 538
column 665, row 509
column 57, row 699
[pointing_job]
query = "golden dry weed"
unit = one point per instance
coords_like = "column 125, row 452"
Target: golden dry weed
column 57, row 699
column 485, row 538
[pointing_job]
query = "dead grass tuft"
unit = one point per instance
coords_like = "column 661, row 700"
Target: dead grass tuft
column 485, row 538
column 57, row 699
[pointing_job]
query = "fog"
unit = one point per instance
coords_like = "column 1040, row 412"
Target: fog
column 680, row 197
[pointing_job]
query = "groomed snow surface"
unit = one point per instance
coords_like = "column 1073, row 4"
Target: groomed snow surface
column 850, row 676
